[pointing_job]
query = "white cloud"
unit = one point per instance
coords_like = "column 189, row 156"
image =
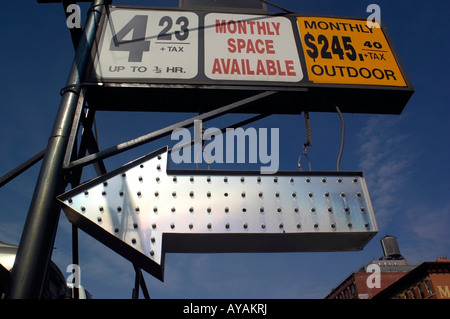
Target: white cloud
column 429, row 236
column 386, row 159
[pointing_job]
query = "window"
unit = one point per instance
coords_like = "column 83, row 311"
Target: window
column 352, row 289
column 428, row 285
column 346, row 293
column 422, row 294
column 413, row 292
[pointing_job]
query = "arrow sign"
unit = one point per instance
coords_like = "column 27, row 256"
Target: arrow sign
column 143, row 210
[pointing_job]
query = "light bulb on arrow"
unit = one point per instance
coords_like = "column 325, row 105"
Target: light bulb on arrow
column 143, row 210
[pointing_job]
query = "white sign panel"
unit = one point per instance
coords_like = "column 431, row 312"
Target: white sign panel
column 148, row 44
column 250, row 48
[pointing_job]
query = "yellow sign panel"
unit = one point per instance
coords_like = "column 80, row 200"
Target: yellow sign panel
column 347, row 51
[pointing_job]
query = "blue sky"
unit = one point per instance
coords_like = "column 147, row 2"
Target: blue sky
column 405, row 158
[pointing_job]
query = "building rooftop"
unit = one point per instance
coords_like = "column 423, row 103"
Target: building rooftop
column 389, row 265
column 440, row 265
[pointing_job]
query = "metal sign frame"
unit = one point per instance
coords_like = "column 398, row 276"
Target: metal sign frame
column 294, row 97
column 145, row 209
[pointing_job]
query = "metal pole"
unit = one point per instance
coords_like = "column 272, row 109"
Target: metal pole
column 92, row 158
column 36, row 243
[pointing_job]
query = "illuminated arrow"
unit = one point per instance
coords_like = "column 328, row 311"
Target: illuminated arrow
column 144, row 210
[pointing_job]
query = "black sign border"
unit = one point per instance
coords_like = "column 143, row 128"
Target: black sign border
column 295, row 96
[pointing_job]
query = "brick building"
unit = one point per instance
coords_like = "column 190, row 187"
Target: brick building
column 375, row 276
column 363, row 284
column 429, row 280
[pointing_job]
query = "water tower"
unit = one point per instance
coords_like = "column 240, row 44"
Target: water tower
column 390, row 248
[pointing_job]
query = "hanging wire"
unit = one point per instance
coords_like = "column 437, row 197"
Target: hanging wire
column 341, row 149
column 305, row 145
column 308, row 130
column 202, row 151
column 96, row 131
column 303, row 154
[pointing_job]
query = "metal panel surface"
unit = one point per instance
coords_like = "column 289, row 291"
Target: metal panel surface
column 144, row 210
